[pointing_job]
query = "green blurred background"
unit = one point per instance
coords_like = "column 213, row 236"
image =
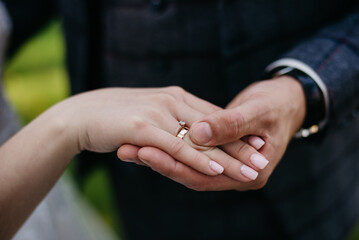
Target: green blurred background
column 35, row 78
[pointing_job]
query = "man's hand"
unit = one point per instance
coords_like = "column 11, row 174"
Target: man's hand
column 273, row 110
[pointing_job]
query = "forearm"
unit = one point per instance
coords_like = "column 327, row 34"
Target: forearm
column 99, row 121
column 30, row 164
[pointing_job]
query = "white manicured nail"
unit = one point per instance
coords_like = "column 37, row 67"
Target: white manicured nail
column 256, row 142
column 249, row 172
column 128, row 160
column 259, row 161
column 216, row 167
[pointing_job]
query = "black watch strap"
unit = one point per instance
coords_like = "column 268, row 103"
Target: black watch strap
column 315, row 90
column 315, row 104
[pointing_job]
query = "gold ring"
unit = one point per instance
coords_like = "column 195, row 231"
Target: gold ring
column 182, row 130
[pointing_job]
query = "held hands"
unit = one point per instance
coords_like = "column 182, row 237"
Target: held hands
column 273, row 110
column 106, row 119
column 219, row 153
column 143, row 123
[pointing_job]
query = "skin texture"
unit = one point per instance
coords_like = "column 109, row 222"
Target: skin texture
column 102, row 121
column 273, row 110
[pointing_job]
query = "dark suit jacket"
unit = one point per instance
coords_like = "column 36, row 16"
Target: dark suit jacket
column 214, row 49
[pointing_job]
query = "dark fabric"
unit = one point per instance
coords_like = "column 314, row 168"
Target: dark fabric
column 27, row 17
column 214, row 49
column 334, row 55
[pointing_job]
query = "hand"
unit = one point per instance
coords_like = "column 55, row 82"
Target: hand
column 104, row 120
column 101, row 121
column 166, row 165
column 273, row 110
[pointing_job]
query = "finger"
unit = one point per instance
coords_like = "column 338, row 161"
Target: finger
column 182, row 112
column 163, row 135
column 227, row 125
column 180, row 150
column 188, row 114
column 128, row 152
column 164, row 164
column 199, row 104
column 255, row 142
column 248, row 155
column 233, row 167
column 138, row 162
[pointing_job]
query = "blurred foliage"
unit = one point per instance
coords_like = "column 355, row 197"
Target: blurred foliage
column 355, row 234
column 35, row 79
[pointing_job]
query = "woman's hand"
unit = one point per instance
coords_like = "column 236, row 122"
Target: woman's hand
column 106, row 119
column 102, row 121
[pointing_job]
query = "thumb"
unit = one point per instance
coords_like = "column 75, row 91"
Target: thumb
column 225, row 126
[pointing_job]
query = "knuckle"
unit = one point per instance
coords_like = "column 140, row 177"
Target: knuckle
column 241, row 148
column 176, row 90
column 139, row 123
column 270, row 118
column 197, row 158
column 232, row 123
column 165, row 97
column 154, row 113
column 176, row 147
column 238, row 121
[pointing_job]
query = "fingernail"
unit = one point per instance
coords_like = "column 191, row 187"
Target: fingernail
column 201, row 132
column 259, row 161
column 146, row 163
column 216, row 167
column 256, row 142
column 128, row 160
column 249, row 172
column 141, row 163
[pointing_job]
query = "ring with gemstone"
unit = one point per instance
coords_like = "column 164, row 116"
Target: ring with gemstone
column 182, row 130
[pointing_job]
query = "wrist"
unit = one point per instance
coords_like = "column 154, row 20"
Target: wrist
column 33, row 160
column 315, row 91
column 62, row 128
column 315, row 107
column 294, row 98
